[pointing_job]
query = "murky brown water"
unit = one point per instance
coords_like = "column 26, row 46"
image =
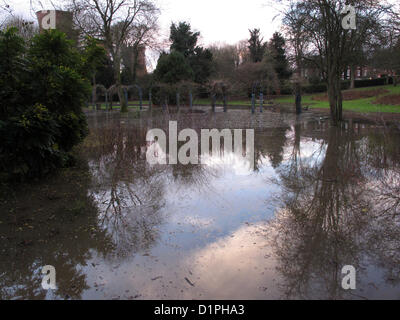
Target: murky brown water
column 114, row 227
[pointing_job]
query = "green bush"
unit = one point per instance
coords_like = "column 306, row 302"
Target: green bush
column 315, row 88
column 161, row 93
column 370, row 83
column 172, row 68
column 29, row 146
column 43, row 89
column 322, row 87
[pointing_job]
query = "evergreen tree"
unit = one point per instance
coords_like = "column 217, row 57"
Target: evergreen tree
column 197, row 61
column 256, row 46
column 44, row 85
column 183, row 39
column 172, row 68
column 278, row 51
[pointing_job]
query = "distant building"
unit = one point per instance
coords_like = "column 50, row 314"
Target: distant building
column 141, row 69
column 135, row 60
column 363, row 72
column 63, row 21
column 56, row 19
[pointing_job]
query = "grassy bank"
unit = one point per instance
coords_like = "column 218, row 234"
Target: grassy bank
column 362, row 105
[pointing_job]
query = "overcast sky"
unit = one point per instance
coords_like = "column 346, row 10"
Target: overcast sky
column 225, row 21
column 219, row 21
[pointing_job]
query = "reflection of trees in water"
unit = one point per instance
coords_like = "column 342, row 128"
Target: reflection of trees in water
column 330, row 218
column 129, row 192
column 197, row 176
column 383, row 151
column 270, row 143
column 113, row 209
column 53, row 223
column 384, row 236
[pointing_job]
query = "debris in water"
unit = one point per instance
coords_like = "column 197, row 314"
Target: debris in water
column 188, row 281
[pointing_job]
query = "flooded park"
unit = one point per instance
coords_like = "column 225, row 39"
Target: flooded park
column 318, row 198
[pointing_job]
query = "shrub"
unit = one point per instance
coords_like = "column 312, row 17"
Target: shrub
column 370, row 83
column 42, row 91
column 160, row 93
column 172, row 68
column 315, row 88
column 29, row 146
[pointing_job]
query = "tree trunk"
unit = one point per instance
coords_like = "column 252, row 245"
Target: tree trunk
column 335, row 98
column 118, row 83
column 94, row 95
column 352, row 77
column 298, row 98
column 135, row 62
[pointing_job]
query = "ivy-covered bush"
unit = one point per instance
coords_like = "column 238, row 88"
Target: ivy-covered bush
column 43, row 86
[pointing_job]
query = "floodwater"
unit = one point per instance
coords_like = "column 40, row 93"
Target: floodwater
column 318, row 198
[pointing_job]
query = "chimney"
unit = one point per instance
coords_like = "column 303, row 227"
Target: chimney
column 56, row 19
column 141, row 69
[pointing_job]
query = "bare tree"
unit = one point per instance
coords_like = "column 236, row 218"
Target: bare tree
column 244, row 54
column 226, row 60
column 5, row 11
column 4, row 5
column 385, row 54
column 142, row 35
column 26, row 29
column 323, row 39
column 115, row 23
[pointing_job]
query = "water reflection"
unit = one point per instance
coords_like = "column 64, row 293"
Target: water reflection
column 116, row 227
column 331, row 217
column 53, row 223
column 128, row 193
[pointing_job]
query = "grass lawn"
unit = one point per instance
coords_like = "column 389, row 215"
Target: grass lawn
column 133, row 105
column 359, row 105
column 204, row 102
column 207, row 102
column 363, row 105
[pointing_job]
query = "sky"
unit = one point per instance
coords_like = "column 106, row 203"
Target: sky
column 225, row 21
column 219, row 21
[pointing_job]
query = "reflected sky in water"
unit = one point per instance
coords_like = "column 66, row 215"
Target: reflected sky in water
column 319, row 198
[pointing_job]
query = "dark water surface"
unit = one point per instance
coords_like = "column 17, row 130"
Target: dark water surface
column 114, row 227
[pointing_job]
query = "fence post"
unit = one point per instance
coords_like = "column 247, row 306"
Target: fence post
column 213, row 101
column 94, row 98
column 165, row 103
column 253, row 103
column 126, row 97
column 261, row 101
column 225, row 105
column 141, row 99
column 190, row 100
column 150, row 100
column 178, row 100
